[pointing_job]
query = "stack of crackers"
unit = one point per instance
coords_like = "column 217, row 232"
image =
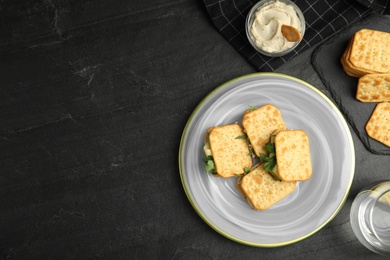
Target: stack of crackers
column 368, row 52
column 367, row 57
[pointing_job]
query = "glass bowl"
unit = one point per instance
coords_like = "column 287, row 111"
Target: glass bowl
column 370, row 217
column 287, row 46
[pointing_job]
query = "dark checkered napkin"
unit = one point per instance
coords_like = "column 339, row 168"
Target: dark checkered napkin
column 379, row 6
column 323, row 19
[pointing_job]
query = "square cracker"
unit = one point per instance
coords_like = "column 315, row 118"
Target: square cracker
column 261, row 190
column 260, row 123
column 230, row 154
column 370, row 50
column 378, row 126
column 373, row 88
column 348, row 67
column 293, row 155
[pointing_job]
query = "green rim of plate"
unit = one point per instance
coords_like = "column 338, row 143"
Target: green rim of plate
column 196, row 207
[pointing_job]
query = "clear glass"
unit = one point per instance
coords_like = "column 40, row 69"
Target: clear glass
column 370, row 217
column 250, row 18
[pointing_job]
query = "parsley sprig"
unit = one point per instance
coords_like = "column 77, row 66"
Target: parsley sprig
column 209, row 167
column 252, row 107
column 270, row 160
column 246, row 171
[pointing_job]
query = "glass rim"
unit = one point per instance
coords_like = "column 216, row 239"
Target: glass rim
column 378, row 196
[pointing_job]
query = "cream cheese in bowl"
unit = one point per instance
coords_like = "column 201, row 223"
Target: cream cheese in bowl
column 264, row 22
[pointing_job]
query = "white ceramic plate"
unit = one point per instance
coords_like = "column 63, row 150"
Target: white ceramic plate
column 314, row 202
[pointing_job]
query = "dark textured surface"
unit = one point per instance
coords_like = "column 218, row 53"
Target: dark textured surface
column 326, row 61
column 94, row 97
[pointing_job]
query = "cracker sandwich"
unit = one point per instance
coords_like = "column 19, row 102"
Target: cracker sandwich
column 262, row 190
column 259, row 124
column 292, row 151
column 227, row 152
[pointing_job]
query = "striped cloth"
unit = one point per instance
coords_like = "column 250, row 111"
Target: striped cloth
column 323, row 19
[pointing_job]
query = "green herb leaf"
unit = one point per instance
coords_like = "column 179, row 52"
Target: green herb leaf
column 207, row 158
column 252, row 107
column 209, row 167
column 242, row 137
column 270, row 161
column 262, row 158
column 246, row 171
column 270, row 164
column 270, row 147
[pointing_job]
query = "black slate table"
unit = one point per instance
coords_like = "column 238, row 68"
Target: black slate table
column 94, row 97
